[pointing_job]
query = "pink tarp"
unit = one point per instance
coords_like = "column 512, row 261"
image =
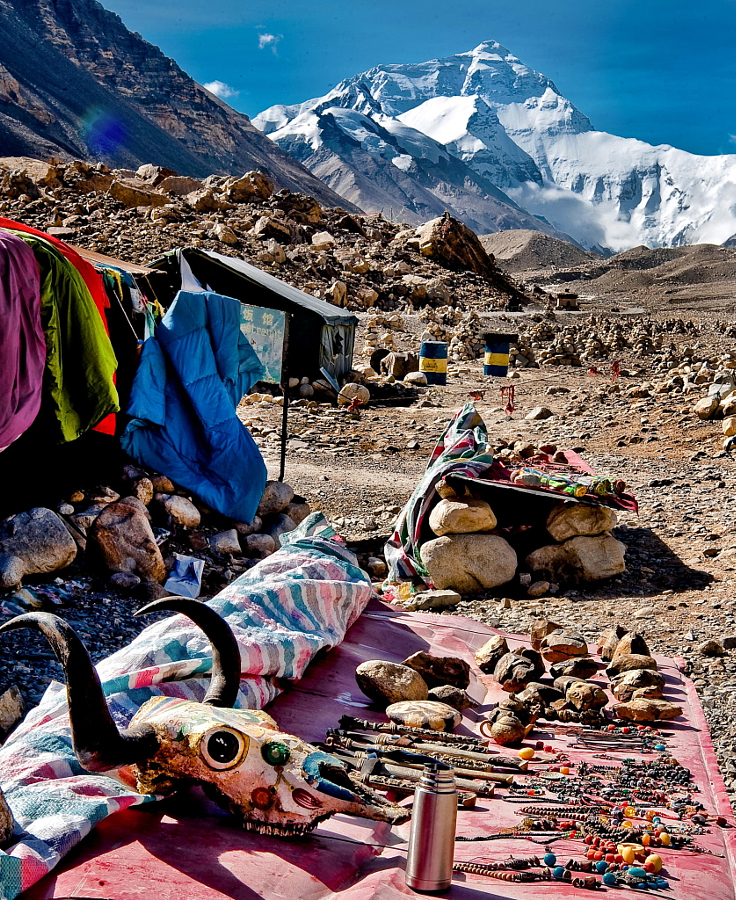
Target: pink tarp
column 187, row 849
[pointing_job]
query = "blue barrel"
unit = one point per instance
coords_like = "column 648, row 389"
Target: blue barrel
column 433, row 361
column 496, row 360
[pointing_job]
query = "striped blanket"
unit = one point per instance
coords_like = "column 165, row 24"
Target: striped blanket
column 298, row 601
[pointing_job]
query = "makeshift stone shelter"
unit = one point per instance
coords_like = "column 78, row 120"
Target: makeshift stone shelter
column 483, row 515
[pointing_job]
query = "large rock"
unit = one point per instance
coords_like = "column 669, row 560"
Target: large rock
column 249, row 186
column 469, row 562
column 562, row 645
column 573, row 519
column 180, row 510
column 645, row 709
column 453, row 245
column 629, row 662
column 579, row 559
column 439, row 670
column 389, row 682
column 33, row 543
column 353, row 393
column 706, row 407
column 180, row 185
column 461, row 517
column 488, row 656
column 277, row 495
column 431, row 714
column 131, row 194
column 124, row 540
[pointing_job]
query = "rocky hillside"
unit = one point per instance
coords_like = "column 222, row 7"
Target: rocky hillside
column 523, row 250
column 75, row 83
column 349, row 259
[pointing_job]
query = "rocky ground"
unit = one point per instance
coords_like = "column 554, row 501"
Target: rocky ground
column 360, row 470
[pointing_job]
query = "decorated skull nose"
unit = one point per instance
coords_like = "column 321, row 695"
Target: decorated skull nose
column 275, row 783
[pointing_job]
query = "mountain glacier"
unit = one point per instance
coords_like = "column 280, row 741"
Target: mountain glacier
column 493, row 141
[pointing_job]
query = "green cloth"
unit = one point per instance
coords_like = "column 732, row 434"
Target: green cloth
column 80, row 362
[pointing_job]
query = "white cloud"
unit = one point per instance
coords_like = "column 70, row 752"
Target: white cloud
column 221, row 90
column 266, row 39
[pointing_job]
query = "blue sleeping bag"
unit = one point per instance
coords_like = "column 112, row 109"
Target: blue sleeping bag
column 193, row 373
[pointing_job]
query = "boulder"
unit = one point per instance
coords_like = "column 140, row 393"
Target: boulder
column 461, row 517
column 488, row 656
column 124, row 581
column 277, row 495
column 568, row 520
column 225, row 543
column 250, row 186
column 280, row 524
column 223, row 233
column 455, row 697
column 124, row 541
column 154, row 175
column 259, row 545
column 417, row 378
column 205, row 200
column 429, row 714
column 729, row 426
column 706, row 407
column 142, row 488
column 628, row 685
column 353, row 392
column 298, row 510
column 579, row 559
column 32, row 543
column 608, row 641
column 469, row 562
column 180, row 185
column 429, row 600
column 180, row 510
column 439, row 670
column 246, row 528
column 273, row 227
column 514, row 672
column 539, row 412
column 323, row 240
column 389, row 682
column 130, row 194
column 452, row 244
column 162, row 484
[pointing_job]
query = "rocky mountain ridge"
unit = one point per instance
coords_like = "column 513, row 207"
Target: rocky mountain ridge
column 76, row 83
column 511, row 127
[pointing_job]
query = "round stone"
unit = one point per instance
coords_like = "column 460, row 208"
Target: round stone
column 389, row 682
column 424, row 714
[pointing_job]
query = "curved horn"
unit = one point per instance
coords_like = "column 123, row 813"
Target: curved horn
column 225, row 684
column 98, row 744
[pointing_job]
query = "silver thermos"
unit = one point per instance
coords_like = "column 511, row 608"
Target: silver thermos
column 432, row 839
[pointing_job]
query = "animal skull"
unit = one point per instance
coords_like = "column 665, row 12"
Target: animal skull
column 275, row 783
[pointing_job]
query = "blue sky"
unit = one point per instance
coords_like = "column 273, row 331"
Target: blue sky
column 664, row 72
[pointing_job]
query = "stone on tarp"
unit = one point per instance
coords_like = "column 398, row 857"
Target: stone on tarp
column 584, row 695
column 438, row 670
column 453, row 696
column 32, row 543
column 452, row 244
column 629, row 661
column 626, row 685
column 124, row 541
column 488, row 656
column 608, row 641
column 631, row 642
column 568, row 520
column 540, row 629
column 644, row 709
column 388, row 682
column 461, row 517
column 180, row 510
column 424, row 714
column 514, row 672
column 429, row 600
column 577, row 667
column 469, row 562
column 579, row 559
column 561, row 645
column 277, row 495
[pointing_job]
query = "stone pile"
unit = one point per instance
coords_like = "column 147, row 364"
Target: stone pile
column 125, row 535
column 354, row 261
column 572, row 543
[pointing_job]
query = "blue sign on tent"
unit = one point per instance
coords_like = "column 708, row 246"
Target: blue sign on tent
column 265, row 330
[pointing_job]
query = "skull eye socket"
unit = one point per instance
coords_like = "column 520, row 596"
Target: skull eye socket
column 223, row 748
column 275, row 753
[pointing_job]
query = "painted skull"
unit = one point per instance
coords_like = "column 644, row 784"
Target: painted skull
column 275, row 783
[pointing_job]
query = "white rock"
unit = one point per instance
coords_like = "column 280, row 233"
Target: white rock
column 352, row 391
column 706, row 407
column 539, row 412
column 729, row 426
column 469, row 562
column 579, row 559
column 418, row 378
column 569, row 520
column 323, row 240
column 180, row 510
column 277, row 495
column 461, row 517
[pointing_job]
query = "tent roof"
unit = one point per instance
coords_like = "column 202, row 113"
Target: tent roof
column 101, row 260
column 331, row 314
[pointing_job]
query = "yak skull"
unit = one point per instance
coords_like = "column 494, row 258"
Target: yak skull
column 274, row 782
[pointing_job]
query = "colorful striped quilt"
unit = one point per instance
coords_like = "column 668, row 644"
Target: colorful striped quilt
column 298, row 601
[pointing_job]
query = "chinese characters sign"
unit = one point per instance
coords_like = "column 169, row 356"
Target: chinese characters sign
column 264, row 329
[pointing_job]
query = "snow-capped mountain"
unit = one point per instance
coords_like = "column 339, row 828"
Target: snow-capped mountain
column 494, row 141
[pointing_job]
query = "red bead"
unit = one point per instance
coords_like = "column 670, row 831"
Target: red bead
column 549, row 748
column 539, row 745
column 626, row 730
column 588, row 838
column 598, row 855
column 611, row 728
column 610, row 857
column 648, row 867
column 618, row 858
column 590, row 854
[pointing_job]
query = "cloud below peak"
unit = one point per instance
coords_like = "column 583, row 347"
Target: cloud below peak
column 221, row 90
